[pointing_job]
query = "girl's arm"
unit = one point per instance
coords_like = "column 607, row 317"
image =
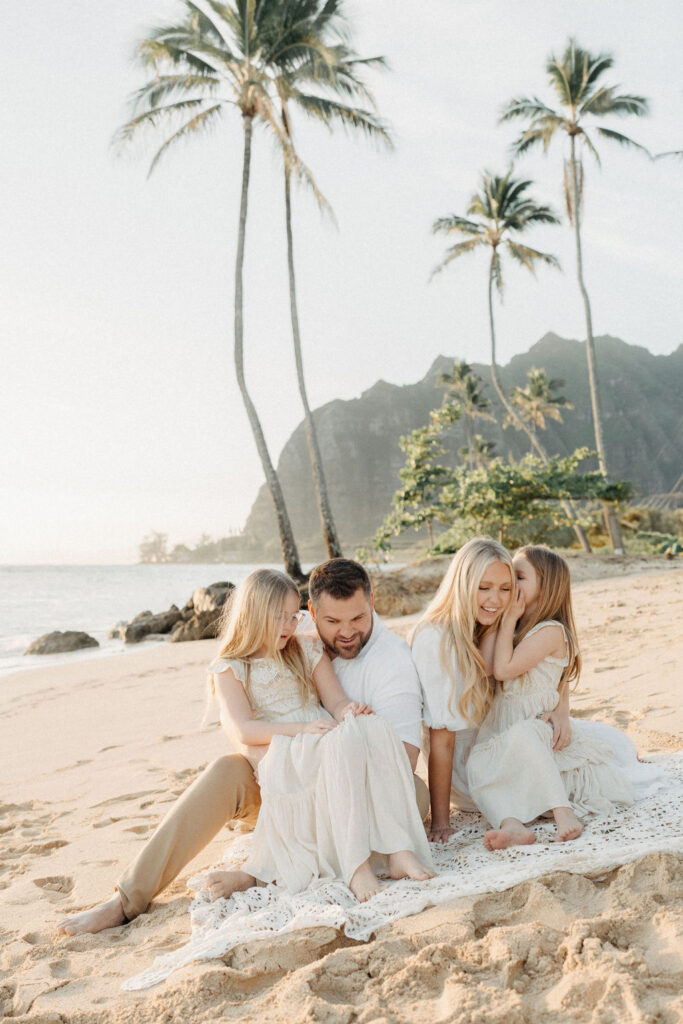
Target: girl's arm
column 332, row 697
column 486, row 649
column 239, row 724
column 510, row 662
column 440, row 770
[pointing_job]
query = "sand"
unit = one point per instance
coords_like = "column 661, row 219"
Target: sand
column 92, row 754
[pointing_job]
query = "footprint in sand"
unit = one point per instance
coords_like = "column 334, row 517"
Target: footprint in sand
column 55, row 883
column 138, row 830
column 125, row 796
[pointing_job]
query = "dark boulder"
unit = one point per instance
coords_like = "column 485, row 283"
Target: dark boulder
column 59, row 642
column 142, row 625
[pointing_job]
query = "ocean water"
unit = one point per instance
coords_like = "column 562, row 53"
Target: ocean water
column 37, row 599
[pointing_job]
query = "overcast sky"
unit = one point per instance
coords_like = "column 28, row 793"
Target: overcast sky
column 119, row 405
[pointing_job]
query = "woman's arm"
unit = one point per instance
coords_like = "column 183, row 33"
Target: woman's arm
column 440, row 771
column 559, row 719
column 239, row 724
column 486, row 649
column 332, row 697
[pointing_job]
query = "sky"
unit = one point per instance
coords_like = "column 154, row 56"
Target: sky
column 118, row 397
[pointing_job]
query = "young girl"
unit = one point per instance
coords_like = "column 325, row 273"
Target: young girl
column 514, row 773
column 336, row 784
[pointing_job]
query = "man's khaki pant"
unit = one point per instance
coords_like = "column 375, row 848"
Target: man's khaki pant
column 225, row 790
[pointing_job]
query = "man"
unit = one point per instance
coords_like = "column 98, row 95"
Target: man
column 373, row 666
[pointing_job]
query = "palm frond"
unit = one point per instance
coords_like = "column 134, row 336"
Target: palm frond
column 459, row 249
column 528, row 257
column 152, row 118
column 201, row 122
column 623, row 140
column 330, row 111
column 454, row 223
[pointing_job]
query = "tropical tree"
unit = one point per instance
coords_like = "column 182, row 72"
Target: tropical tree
column 577, row 79
column 539, row 400
column 466, row 388
column 478, row 453
column 318, row 87
column 221, row 58
column 497, row 214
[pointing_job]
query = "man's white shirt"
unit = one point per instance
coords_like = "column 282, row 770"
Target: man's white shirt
column 384, row 676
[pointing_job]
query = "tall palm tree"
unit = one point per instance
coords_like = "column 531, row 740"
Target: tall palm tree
column 479, row 451
column 576, row 78
column 220, row 57
column 466, row 388
column 538, row 399
column 499, row 212
column 313, row 87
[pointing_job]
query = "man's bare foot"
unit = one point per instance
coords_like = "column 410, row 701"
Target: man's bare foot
column 405, row 864
column 512, row 832
column 104, row 915
column 365, row 883
column 568, row 825
column 222, row 884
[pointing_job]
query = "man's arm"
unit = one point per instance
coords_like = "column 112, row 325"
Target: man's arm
column 395, row 695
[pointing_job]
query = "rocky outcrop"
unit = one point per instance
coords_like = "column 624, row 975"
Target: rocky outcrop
column 60, row 642
column 145, row 624
column 199, row 619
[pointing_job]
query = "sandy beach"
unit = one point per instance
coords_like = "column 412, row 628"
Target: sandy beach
column 92, row 754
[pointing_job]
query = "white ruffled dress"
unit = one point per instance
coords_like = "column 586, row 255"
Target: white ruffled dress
column 329, row 800
column 513, row 771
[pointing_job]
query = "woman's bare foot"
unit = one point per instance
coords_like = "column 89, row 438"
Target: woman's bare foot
column 568, row 825
column 104, row 915
column 512, row 832
column 365, row 883
column 405, row 864
column 222, row 884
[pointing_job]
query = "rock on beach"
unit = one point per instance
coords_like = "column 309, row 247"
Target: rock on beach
column 59, row 642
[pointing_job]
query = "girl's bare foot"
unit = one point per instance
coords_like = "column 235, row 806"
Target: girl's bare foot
column 104, row 915
column 568, row 825
column 512, row 832
column 405, row 864
column 222, row 884
column 365, row 883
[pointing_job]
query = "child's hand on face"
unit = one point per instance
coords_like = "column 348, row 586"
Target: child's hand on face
column 516, row 608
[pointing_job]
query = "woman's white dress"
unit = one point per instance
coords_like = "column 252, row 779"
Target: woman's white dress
column 328, row 800
column 513, row 771
column 440, row 707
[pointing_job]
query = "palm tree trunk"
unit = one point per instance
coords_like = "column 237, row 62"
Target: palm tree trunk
column 611, row 521
column 290, row 555
column 330, row 537
column 517, row 420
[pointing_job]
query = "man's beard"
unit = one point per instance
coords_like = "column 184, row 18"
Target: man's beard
column 347, row 653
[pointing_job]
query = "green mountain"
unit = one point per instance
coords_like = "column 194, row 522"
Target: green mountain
column 642, row 398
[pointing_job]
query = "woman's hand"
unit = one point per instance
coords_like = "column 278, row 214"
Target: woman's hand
column 320, row 726
column 355, row 707
column 440, row 833
column 562, row 730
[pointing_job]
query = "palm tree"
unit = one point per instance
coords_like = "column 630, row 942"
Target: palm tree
column 220, row 57
column 499, row 212
column 331, row 69
column 466, row 388
column 576, row 80
column 538, row 400
column 478, row 452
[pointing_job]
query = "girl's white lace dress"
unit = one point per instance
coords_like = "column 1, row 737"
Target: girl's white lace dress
column 513, row 771
column 327, row 800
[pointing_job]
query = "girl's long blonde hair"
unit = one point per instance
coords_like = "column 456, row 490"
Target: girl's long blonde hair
column 554, row 601
column 454, row 607
column 252, row 622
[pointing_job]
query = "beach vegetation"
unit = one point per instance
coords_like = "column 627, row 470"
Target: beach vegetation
column 577, row 80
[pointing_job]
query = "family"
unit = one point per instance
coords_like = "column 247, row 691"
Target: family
column 325, row 711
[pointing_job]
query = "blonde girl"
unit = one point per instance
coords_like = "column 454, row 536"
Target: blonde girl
column 336, row 784
column 514, row 772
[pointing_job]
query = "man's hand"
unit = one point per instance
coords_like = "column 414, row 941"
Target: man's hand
column 562, row 730
column 440, row 833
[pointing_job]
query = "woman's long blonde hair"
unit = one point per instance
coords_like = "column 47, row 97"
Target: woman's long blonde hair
column 454, row 607
column 554, row 601
column 252, row 622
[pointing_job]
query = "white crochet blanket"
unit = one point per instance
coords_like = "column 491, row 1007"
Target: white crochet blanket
column 464, row 868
